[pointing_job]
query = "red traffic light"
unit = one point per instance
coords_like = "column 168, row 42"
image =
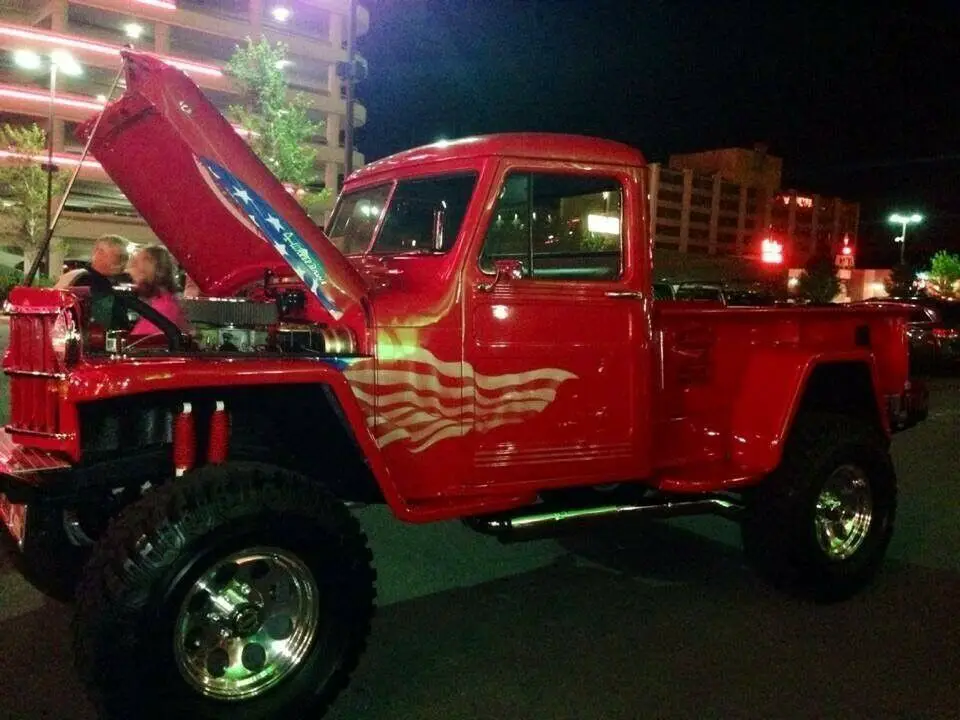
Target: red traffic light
column 771, row 252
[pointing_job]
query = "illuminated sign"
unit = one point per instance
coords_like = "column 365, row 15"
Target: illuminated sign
column 603, row 224
column 771, row 252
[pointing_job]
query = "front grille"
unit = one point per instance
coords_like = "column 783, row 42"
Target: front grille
column 32, row 367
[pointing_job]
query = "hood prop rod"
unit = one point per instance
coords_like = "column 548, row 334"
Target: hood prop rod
column 35, row 266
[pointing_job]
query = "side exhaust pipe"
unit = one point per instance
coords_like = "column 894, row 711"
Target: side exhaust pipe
column 525, row 524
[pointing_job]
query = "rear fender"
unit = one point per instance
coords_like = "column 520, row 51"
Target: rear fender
column 779, row 382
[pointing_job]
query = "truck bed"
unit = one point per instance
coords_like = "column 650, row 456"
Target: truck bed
column 724, row 374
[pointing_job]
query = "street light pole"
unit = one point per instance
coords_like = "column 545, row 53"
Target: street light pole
column 50, row 121
column 903, row 242
column 348, row 131
column 903, row 221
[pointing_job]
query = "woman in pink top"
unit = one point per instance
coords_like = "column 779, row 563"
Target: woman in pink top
column 152, row 272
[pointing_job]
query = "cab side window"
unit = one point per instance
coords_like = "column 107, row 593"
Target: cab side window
column 559, row 226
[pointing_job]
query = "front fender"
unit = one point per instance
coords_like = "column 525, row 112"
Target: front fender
column 102, row 381
column 770, row 394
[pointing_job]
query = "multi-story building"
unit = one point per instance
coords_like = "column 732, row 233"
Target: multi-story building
column 199, row 36
column 721, row 209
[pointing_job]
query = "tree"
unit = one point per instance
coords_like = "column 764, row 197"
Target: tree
column 945, row 272
column 819, row 283
column 281, row 129
column 901, row 281
column 24, row 184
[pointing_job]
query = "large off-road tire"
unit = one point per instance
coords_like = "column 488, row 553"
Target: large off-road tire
column 241, row 591
column 819, row 526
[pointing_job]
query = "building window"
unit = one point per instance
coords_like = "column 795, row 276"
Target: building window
column 671, row 177
column 559, row 226
column 670, row 196
column 700, row 201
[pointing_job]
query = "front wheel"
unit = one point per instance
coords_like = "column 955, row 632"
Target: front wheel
column 820, row 525
column 240, row 591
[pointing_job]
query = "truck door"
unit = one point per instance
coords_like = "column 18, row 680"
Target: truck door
column 557, row 341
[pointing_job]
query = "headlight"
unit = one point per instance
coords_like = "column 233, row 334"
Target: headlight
column 65, row 339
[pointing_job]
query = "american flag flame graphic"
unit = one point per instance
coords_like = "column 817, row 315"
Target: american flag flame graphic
column 422, row 400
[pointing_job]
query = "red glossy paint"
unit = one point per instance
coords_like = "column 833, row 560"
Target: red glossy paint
column 474, row 395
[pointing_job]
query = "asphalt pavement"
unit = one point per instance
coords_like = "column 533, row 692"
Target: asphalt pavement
column 659, row 621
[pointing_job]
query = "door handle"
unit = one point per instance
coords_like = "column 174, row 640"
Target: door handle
column 625, row 295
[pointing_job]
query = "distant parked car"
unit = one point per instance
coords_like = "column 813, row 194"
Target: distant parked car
column 700, row 292
column 934, row 332
column 662, row 291
column 69, row 265
column 728, row 296
column 748, row 297
column 946, row 332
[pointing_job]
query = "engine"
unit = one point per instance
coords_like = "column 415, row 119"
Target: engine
column 241, row 326
column 231, row 325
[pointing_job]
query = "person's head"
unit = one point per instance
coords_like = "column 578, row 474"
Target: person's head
column 152, row 271
column 109, row 255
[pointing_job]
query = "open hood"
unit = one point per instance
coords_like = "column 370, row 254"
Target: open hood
column 220, row 211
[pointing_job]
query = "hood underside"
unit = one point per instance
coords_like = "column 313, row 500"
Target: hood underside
column 210, row 200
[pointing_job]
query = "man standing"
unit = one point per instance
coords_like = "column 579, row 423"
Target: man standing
column 109, row 259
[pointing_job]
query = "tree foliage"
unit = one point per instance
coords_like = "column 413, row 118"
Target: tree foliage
column 24, row 184
column 901, row 281
column 819, row 282
column 278, row 119
column 945, row 272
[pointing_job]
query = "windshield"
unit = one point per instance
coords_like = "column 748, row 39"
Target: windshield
column 355, row 219
column 424, row 215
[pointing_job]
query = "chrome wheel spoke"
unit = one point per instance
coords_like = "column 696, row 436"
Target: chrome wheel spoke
column 843, row 513
column 247, row 623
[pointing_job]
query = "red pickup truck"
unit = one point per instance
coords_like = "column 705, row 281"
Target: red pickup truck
column 474, row 337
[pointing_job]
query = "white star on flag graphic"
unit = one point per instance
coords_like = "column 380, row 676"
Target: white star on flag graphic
column 275, row 223
column 242, row 194
column 282, row 249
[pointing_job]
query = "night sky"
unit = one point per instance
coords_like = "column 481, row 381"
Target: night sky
column 859, row 101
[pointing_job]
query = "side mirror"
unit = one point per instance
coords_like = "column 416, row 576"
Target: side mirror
column 505, row 269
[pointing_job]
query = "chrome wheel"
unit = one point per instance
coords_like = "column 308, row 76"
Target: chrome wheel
column 844, row 512
column 246, row 624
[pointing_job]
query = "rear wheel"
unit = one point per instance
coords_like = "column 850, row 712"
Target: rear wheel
column 240, row 591
column 820, row 525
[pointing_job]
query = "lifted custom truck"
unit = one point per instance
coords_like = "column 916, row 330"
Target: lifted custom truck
column 473, row 337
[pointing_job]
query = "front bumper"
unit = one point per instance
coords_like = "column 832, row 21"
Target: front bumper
column 22, row 472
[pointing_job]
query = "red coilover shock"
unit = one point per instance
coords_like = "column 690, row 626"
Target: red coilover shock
column 184, row 440
column 219, row 435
